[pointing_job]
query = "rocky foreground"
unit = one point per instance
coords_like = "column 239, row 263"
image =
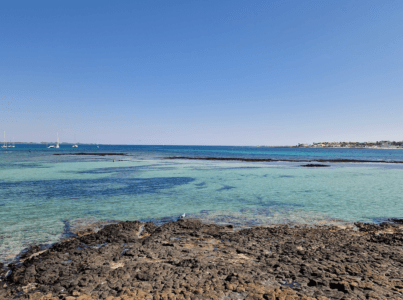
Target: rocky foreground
column 191, row 260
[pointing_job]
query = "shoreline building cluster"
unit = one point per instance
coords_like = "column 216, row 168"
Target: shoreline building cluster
column 373, row 145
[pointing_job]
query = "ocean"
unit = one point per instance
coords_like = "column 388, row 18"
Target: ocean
column 45, row 198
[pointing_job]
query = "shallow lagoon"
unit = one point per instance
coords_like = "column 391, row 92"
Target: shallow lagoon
column 43, row 197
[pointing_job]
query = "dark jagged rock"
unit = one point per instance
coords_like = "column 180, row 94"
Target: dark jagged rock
column 395, row 220
column 190, row 260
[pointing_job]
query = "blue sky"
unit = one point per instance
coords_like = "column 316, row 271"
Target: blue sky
column 201, row 72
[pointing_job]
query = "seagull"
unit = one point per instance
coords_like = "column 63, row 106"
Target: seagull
column 182, row 216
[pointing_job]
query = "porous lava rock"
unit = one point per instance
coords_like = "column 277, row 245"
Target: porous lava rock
column 190, row 260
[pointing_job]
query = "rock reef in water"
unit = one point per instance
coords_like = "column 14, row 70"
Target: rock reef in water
column 286, row 160
column 95, row 153
column 315, row 165
column 190, row 260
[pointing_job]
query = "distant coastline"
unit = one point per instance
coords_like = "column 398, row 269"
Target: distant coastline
column 385, row 145
column 349, row 145
column 45, row 143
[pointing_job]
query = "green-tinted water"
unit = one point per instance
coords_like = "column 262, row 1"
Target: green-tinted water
column 43, row 196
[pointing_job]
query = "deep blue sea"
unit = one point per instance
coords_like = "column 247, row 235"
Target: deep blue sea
column 45, row 197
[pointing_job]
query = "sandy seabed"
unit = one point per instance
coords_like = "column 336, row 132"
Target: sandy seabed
column 191, row 260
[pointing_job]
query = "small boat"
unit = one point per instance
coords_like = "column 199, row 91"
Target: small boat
column 75, row 144
column 57, row 144
column 5, row 143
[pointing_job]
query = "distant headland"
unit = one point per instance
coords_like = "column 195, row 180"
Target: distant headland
column 357, row 145
column 372, row 145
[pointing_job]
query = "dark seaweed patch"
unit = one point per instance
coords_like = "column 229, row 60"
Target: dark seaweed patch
column 82, row 188
column 112, row 170
column 201, row 185
column 225, row 187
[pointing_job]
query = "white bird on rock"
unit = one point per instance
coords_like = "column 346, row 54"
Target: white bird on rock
column 182, row 216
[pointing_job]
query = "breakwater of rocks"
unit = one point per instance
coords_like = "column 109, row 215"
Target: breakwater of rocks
column 286, row 160
column 191, row 260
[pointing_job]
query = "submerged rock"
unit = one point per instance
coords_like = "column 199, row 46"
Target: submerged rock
column 315, row 165
column 191, row 260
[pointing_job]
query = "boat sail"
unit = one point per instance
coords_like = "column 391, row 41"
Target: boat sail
column 57, row 143
column 75, row 145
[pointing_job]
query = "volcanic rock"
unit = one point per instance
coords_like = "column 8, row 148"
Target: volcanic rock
column 191, row 260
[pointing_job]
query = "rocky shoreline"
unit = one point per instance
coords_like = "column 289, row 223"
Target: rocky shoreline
column 191, row 260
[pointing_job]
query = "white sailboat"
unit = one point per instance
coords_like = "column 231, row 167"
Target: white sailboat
column 11, row 145
column 75, row 145
column 57, row 143
column 5, row 143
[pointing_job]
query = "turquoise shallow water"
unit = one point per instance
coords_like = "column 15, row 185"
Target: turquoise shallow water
column 43, row 196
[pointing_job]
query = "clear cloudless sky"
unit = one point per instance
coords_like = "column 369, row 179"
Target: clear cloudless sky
column 201, row 72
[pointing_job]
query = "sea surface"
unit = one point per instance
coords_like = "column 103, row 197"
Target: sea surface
column 45, row 198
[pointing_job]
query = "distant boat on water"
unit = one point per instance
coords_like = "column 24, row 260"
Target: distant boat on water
column 5, row 143
column 11, row 145
column 57, row 144
column 75, row 144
